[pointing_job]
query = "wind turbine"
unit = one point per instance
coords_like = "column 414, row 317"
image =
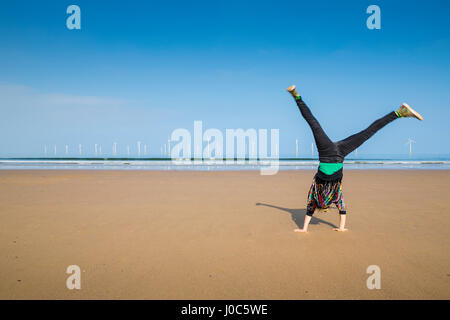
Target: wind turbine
column 410, row 142
column 252, row 151
column 115, row 148
column 168, row 147
column 209, row 150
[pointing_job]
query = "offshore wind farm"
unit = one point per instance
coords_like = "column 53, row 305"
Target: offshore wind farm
column 138, row 159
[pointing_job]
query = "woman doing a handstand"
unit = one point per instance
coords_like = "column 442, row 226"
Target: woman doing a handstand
column 326, row 188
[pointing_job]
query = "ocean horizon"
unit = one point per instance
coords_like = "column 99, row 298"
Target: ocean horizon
column 160, row 163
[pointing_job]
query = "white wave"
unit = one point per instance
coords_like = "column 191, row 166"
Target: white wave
column 211, row 164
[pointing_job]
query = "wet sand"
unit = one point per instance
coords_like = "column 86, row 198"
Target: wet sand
column 221, row 235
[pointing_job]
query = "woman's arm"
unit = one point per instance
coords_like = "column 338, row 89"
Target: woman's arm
column 342, row 220
column 305, row 224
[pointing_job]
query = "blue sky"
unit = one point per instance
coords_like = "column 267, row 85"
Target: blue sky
column 137, row 70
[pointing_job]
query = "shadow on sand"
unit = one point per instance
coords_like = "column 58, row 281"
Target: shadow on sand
column 298, row 215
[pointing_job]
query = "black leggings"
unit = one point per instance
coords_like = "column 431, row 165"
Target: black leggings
column 335, row 152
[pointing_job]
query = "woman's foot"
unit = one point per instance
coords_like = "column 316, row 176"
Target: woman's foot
column 301, row 230
column 406, row 111
column 340, row 229
column 292, row 91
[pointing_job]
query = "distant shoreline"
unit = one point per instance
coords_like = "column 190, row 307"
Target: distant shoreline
column 155, row 164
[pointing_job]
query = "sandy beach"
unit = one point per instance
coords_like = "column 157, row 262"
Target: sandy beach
column 221, row 235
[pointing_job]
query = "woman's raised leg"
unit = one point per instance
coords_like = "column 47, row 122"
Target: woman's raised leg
column 354, row 141
column 320, row 137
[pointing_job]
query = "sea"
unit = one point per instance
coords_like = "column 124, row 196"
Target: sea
column 384, row 162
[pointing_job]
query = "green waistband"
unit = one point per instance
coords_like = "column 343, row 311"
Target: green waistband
column 330, row 168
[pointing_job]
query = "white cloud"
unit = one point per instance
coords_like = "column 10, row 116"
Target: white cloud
column 17, row 95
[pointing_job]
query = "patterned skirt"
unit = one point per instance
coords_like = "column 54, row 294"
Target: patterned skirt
column 322, row 194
